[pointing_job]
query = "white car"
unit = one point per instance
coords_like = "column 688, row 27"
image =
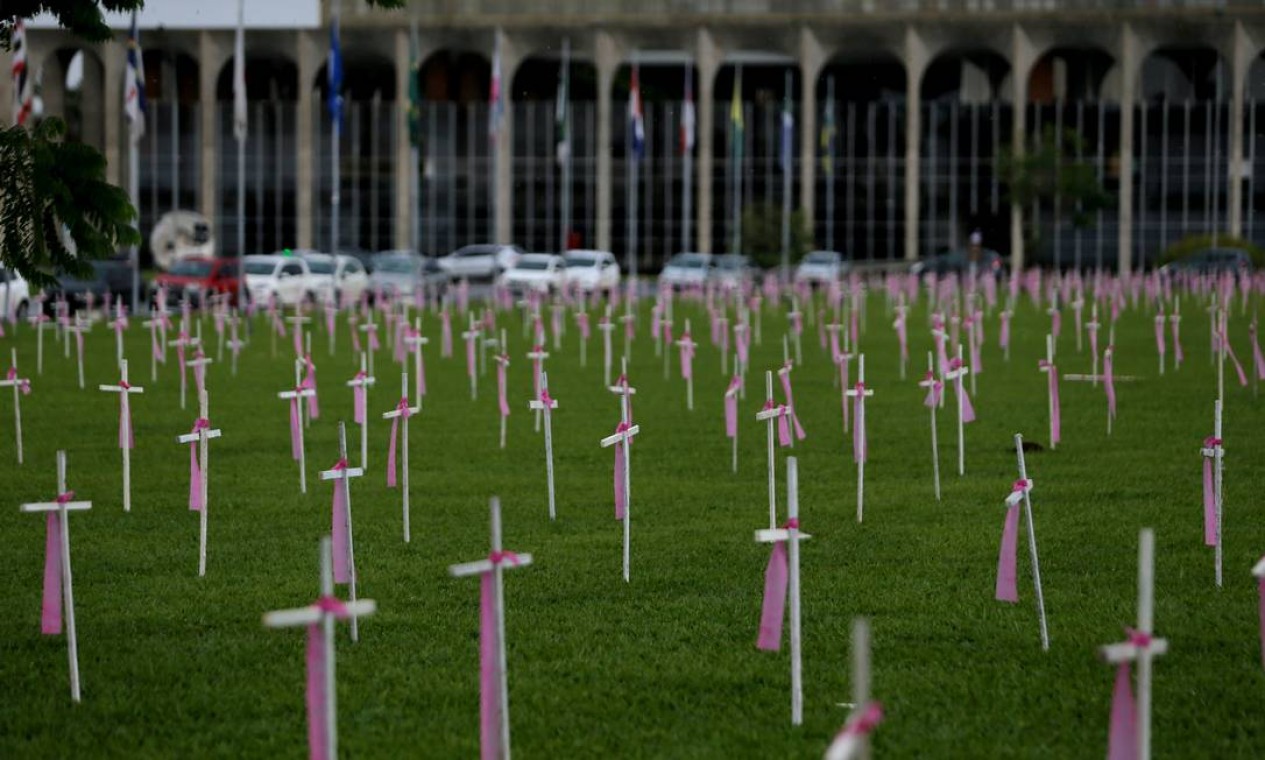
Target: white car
column 732, row 270
column 336, row 279
column 483, row 260
column 15, row 295
column 285, row 277
column 541, row 272
column 591, row 270
column 821, row 267
column 686, row 269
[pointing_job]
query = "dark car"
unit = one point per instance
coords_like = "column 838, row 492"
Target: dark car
column 1211, row 261
column 110, row 279
column 192, row 278
column 959, row 262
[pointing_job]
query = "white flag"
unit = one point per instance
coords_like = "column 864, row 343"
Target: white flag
column 239, row 75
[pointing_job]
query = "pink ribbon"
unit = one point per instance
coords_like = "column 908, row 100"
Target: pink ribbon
column 1109, row 379
column 445, row 334
column 860, row 448
column 621, row 497
column 296, row 428
column 329, row 320
column 535, row 369
column 24, row 385
column 1238, row 368
column 490, row 662
column 1258, row 359
column 622, row 382
column 1007, row 587
column 783, row 427
column 50, row 614
column 934, row 389
column 773, row 611
column 864, row 723
column 374, row 343
column 939, row 336
column 500, row 386
column 1003, row 334
column 317, row 729
column 1210, row 494
column 154, row 347
column 1159, row 334
column 127, row 438
column 355, row 332
column 1053, row 382
column 196, row 503
column 1178, row 356
column 471, row 366
column 582, row 322
column 959, row 386
column 731, row 407
column 902, row 336
column 785, row 377
column 403, row 408
column 342, row 552
column 835, row 353
column 309, row 383
column 1122, row 742
column 687, row 356
column 359, row 399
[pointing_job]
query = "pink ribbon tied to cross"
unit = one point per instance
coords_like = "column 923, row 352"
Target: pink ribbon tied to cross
column 1122, row 741
column 1176, row 321
column 783, row 426
column 355, row 332
column 1053, row 382
column 196, row 503
column 501, row 400
column 687, row 356
column 359, row 398
column 403, row 408
column 621, row 496
column 1159, row 334
column 731, row 406
column 155, row 349
column 785, row 378
column 296, row 426
column 860, row 724
column 199, row 371
column 535, row 368
column 1007, row 589
column 309, row 383
column 1258, row 359
column 445, row 334
column 934, row 387
column 342, row 552
column 50, row 613
column 490, row 706
column 1003, row 333
column 1109, row 379
column 582, row 323
column 24, row 385
column 1211, row 444
column 317, row 731
column 959, row 387
column 622, row 382
column 773, row 611
column 127, row 437
column 1229, row 349
column 421, row 360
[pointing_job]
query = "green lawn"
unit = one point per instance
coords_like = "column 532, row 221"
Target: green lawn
column 177, row 666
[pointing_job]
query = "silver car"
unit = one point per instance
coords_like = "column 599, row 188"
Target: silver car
column 400, row 273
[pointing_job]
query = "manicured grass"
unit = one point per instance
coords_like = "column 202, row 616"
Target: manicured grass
column 666, row 666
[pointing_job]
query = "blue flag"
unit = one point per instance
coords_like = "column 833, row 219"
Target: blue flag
column 335, row 72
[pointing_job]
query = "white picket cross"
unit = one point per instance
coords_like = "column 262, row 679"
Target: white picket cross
column 125, row 428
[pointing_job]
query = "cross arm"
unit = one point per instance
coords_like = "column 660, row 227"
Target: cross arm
column 776, row 535
column 305, row 393
column 120, row 389
column 191, row 437
column 311, row 614
column 361, row 381
column 343, row 474
column 396, row 412
column 770, row 414
column 1127, row 651
column 620, row 437
column 53, row 506
column 481, row 566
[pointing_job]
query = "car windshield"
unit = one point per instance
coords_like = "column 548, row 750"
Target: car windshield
column 394, row 265
column 731, row 262
column 191, row 268
column 820, row 257
column 537, row 265
column 687, row 261
column 260, row 267
column 320, row 266
column 577, row 262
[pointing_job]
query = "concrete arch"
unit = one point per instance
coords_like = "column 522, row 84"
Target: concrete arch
column 1184, row 72
column 83, row 108
column 537, row 74
column 865, row 75
column 365, row 73
column 967, row 74
column 270, row 76
column 458, row 75
column 1069, row 73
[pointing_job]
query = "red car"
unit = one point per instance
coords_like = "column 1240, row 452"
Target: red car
column 197, row 275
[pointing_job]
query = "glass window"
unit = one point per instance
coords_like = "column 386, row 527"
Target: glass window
column 260, row 267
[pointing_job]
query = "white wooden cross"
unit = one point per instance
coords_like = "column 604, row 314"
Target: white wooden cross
column 854, row 740
column 1049, row 368
column 581, row 316
column 930, row 382
column 559, row 325
column 742, row 331
column 845, row 367
column 40, row 321
column 1141, row 647
column 791, row 316
column 1176, row 319
column 783, row 371
column 1093, row 325
column 503, row 362
column 370, row 329
column 1053, row 311
column 198, row 366
column 125, row 429
column 665, row 327
column 118, row 324
column 859, row 392
column 1161, row 322
column 1032, row 541
column 296, row 327
column 415, row 343
column 200, row 435
column 956, row 375
column 732, row 392
column 624, row 438
column 19, row 385
column 606, row 326
column 1216, row 452
column 495, row 565
column 537, row 356
column 345, row 474
column 78, row 329
column 627, row 320
column 403, row 412
column 791, row 536
column 62, row 507
column 486, row 326
column 722, row 327
column 324, row 614
column 363, row 380
column 902, row 317
column 1005, row 317
column 295, row 398
column 686, row 343
column 1077, row 307
column 544, row 404
column 184, row 342
column 331, row 324
column 471, row 336
column 769, row 414
column 235, row 343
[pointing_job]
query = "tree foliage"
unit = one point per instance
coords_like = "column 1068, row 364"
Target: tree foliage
column 1048, row 174
column 762, row 234
column 82, row 18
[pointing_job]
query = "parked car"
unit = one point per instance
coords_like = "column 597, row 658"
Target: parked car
column 401, row 272
column 821, row 267
column 15, row 297
column 591, row 270
column 285, row 277
column 339, row 279
column 732, row 270
column 481, row 261
column 686, row 269
column 109, row 279
column 541, row 272
column 959, row 261
column 191, row 278
column 1211, row 261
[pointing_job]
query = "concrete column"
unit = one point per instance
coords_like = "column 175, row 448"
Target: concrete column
column 1022, row 59
column 916, row 59
column 114, row 68
column 1240, row 63
column 606, row 55
column 811, row 60
column 208, row 156
column 510, row 59
column 309, row 56
column 404, row 210
column 707, row 62
column 6, row 88
column 1129, row 70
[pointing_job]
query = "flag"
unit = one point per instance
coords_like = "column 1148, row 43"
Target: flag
column 134, row 89
column 21, row 76
column 636, row 124
column 687, row 113
column 562, row 125
column 239, row 74
column 828, row 139
column 788, row 129
column 414, row 91
column 735, row 117
column 495, row 104
column 334, row 73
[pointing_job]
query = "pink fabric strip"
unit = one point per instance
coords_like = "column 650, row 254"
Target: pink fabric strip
column 1007, row 586
column 403, row 408
column 790, row 404
column 1178, row 356
column 860, row 448
column 154, row 348
column 1210, row 495
column 296, row 429
column 621, row 496
column 865, row 723
column 309, row 382
column 445, row 334
column 1258, row 359
column 902, row 336
column 1056, row 323
column 298, row 339
column 342, row 550
column 471, row 365
column 355, row 333
column 959, row 385
column 359, row 400
column 1238, row 368
column 500, row 389
column 1003, row 334
column 1109, row 379
column 50, row 615
column 1159, row 334
column 127, row 438
column 773, row 610
column 195, row 472
column 317, row 729
column 731, row 408
column 1122, row 741
column 1055, row 416
column 489, row 671
column 687, row 358
column 24, row 385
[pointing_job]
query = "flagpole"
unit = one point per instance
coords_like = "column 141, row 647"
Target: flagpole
column 415, row 152
column 830, row 166
column 134, row 193
column 632, row 185
column 566, row 133
column 335, row 133
column 687, row 171
column 736, row 160
column 786, row 179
